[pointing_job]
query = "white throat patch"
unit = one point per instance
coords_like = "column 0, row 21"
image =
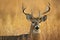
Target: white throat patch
column 36, row 31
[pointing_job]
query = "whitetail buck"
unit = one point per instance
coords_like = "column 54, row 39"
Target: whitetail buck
column 34, row 30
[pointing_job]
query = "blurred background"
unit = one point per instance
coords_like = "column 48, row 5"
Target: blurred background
column 13, row 21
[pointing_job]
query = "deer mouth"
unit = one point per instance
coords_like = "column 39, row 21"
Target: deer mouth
column 36, row 31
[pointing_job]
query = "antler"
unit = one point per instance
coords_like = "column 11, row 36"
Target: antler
column 43, row 16
column 47, row 9
column 28, row 16
column 24, row 10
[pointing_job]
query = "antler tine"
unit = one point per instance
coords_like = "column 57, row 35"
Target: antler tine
column 40, row 15
column 47, row 9
column 24, row 10
column 31, row 12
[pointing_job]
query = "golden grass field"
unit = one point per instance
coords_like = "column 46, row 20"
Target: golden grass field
column 14, row 22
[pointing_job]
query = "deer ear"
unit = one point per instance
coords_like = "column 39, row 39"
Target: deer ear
column 44, row 18
column 28, row 17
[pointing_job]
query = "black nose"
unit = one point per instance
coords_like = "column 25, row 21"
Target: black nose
column 36, row 27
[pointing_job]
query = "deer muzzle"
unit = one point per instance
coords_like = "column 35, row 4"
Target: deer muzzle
column 36, row 27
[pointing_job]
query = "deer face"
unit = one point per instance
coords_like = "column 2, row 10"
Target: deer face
column 35, row 21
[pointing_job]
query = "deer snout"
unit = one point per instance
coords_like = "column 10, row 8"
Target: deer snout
column 37, row 27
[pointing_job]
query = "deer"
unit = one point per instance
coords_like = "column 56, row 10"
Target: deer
column 34, row 33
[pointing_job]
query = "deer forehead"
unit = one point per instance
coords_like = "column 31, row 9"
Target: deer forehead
column 36, row 15
column 35, row 20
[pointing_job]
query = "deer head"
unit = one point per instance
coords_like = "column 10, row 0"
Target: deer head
column 35, row 21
